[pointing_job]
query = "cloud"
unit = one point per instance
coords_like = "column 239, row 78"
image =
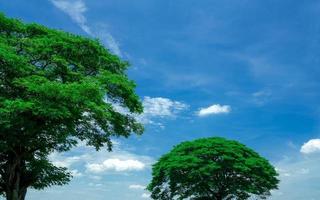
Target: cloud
column 76, row 173
column 116, row 165
column 137, row 187
column 162, row 107
column 97, row 178
column 155, row 109
column 214, row 110
column 261, row 97
column 299, row 178
column 84, row 161
column 60, row 161
column 107, row 39
column 312, row 146
column 145, row 196
column 76, row 9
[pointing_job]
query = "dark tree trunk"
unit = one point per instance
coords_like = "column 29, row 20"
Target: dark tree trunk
column 219, row 196
column 17, row 195
column 14, row 190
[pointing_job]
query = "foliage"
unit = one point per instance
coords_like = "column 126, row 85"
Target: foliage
column 56, row 88
column 212, row 168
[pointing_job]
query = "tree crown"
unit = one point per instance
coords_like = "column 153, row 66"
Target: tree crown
column 57, row 88
column 212, row 168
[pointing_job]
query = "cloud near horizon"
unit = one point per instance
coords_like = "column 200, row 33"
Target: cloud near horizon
column 85, row 161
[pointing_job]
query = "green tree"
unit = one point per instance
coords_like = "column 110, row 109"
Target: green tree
column 212, row 169
column 56, row 88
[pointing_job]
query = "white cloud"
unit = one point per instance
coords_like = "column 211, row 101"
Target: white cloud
column 60, row 161
column 95, row 184
column 76, row 173
column 162, row 107
column 155, row 109
column 116, row 165
column 299, row 178
column 214, row 110
column 107, row 39
column 84, row 161
column 145, row 196
column 76, row 10
column 137, row 187
column 312, row 146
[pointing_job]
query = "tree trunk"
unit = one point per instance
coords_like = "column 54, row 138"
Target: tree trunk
column 219, row 196
column 14, row 191
column 17, row 195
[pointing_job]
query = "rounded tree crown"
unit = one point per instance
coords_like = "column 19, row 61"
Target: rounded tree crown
column 212, row 168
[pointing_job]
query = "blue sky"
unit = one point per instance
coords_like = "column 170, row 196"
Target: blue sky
column 244, row 70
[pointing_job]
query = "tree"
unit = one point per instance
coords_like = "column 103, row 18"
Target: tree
column 56, row 89
column 212, row 169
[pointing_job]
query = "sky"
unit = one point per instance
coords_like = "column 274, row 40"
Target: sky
column 240, row 69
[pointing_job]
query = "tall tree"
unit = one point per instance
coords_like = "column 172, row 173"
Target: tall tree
column 56, row 88
column 212, row 169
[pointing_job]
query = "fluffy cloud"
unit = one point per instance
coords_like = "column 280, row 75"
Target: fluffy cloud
column 312, row 146
column 214, row 110
column 85, row 161
column 162, row 107
column 76, row 10
column 137, row 187
column 155, row 108
column 116, row 165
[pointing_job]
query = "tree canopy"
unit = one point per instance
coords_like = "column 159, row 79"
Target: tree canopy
column 56, row 88
column 212, row 169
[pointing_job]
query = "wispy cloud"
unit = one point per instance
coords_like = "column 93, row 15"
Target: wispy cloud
column 145, row 196
column 61, row 161
column 299, row 178
column 76, row 173
column 76, row 9
column 137, row 187
column 261, row 97
column 101, row 31
column 214, row 110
